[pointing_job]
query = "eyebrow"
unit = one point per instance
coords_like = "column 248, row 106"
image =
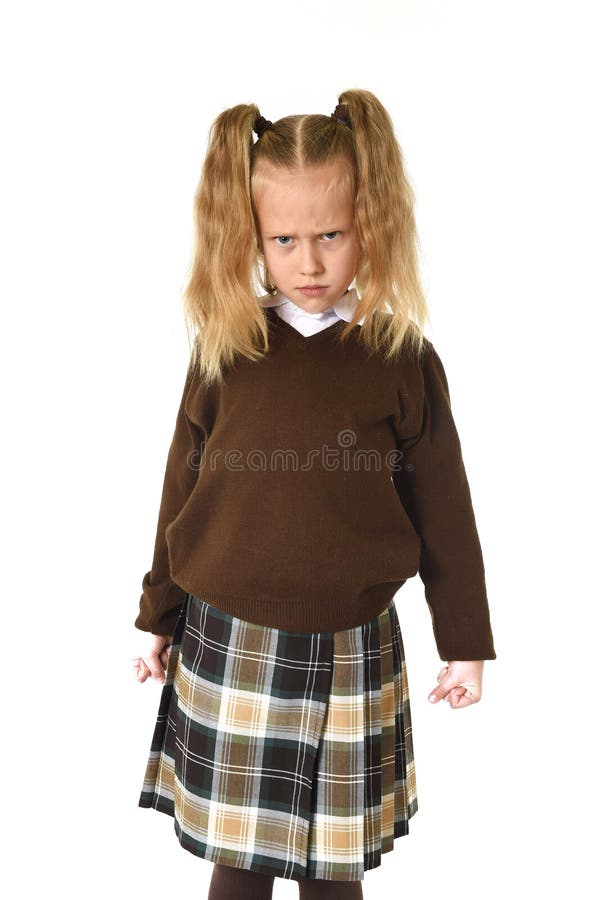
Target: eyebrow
column 271, row 233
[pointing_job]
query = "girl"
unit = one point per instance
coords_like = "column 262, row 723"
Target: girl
column 315, row 466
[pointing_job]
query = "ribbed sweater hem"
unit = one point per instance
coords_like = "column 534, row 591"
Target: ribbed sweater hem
column 306, row 616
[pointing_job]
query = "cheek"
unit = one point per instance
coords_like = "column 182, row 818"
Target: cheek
column 271, row 258
column 351, row 256
column 276, row 264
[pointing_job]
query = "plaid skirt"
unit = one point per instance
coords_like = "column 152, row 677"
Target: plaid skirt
column 284, row 753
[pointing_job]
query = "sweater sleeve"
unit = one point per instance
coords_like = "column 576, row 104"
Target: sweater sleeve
column 162, row 599
column 433, row 487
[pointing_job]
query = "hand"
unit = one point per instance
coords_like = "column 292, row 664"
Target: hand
column 154, row 662
column 459, row 682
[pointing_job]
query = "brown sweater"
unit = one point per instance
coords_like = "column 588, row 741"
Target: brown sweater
column 308, row 487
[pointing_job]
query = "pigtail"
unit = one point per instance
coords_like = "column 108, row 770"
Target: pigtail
column 219, row 299
column 388, row 271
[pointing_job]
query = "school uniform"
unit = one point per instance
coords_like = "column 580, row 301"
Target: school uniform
column 298, row 497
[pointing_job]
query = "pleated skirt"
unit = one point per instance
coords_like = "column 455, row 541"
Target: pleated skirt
column 280, row 752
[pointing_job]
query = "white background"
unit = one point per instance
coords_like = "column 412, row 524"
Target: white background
column 105, row 115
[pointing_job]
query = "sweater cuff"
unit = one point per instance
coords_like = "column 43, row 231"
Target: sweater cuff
column 159, row 614
column 471, row 639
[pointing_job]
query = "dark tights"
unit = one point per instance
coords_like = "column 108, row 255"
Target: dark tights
column 317, row 889
column 228, row 882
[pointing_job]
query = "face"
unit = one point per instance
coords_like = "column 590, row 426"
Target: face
column 306, row 233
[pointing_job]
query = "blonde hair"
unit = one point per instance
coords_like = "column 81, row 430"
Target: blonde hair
column 221, row 309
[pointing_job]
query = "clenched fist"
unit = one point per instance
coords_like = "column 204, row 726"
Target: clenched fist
column 460, row 683
column 154, row 662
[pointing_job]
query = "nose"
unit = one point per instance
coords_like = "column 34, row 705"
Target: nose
column 310, row 263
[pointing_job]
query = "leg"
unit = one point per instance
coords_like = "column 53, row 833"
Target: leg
column 228, row 882
column 321, row 889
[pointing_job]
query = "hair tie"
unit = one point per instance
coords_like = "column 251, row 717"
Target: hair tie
column 341, row 114
column 260, row 125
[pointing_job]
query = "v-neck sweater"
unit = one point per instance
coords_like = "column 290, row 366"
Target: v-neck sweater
column 305, row 489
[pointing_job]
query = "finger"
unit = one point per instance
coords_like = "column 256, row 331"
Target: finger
column 442, row 690
column 143, row 671
column 155, row 669
column 473, row 689
column 461, row 702
column 462, row 698
column 455, row 697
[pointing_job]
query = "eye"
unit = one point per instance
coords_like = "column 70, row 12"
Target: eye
column 286, row 238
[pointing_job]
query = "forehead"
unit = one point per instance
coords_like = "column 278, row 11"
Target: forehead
column 314, row 198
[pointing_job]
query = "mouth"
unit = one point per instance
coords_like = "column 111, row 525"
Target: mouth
column 313, row 289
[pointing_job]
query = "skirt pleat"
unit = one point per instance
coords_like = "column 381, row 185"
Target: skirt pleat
column 284, row 753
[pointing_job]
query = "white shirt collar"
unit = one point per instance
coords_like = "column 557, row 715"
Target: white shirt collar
column 343, row 308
